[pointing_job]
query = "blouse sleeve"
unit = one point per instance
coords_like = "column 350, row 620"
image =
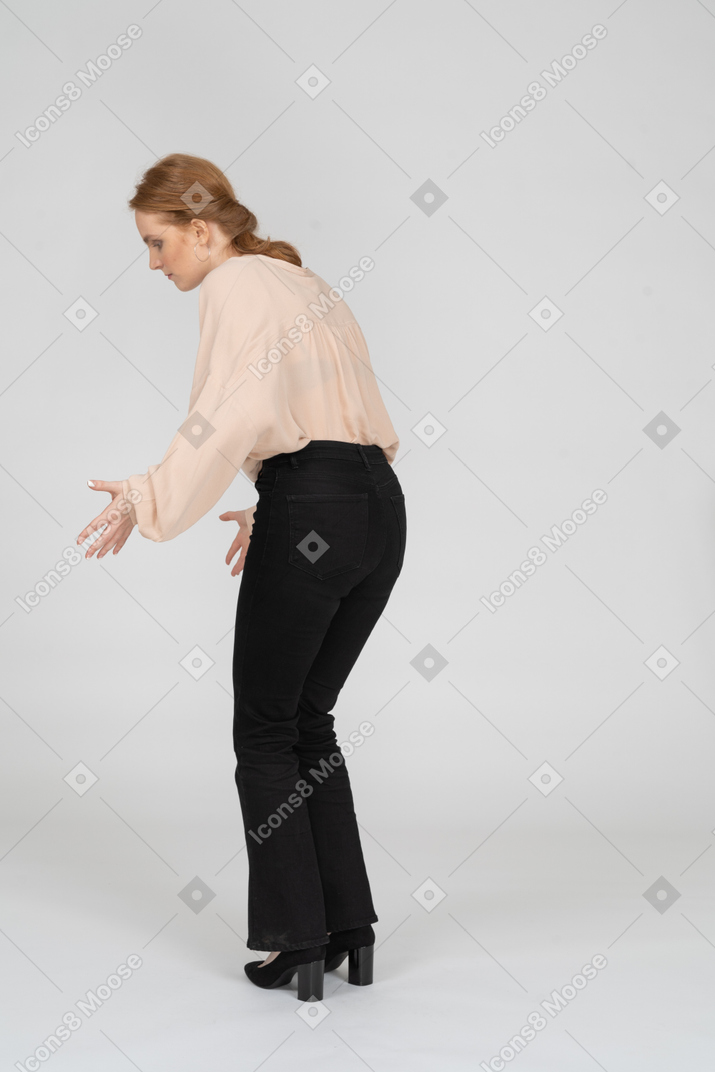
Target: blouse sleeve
column 213, row 442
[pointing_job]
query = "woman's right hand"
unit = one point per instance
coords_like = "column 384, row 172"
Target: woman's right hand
column 240, row 544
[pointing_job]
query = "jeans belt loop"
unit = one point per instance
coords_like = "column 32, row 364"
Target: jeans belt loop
column 363, row 455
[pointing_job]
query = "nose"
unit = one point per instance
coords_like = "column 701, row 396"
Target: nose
column 154, row 262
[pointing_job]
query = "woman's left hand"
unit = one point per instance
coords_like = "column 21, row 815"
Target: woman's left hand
column 114, row 516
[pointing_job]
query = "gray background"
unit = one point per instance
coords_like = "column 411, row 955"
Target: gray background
column 492, row 890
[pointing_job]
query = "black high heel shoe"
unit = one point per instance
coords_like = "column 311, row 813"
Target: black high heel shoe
column 309, row 963
column 357, row 944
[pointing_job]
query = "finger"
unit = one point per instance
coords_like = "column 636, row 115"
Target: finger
column 86, row 532
column 93, row 526
column 107, row 538
column 235, row 546
column 238, row 565
column 108, row 542
column 93, row 546
column 122, row 537
column 120, row 542
column 112, row 518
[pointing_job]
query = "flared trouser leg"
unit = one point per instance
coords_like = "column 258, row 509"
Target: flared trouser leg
column 297, row 638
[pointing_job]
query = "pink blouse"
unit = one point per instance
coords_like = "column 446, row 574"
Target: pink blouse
column 281, row 361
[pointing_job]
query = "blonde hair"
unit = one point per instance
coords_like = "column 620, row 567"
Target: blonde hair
column 161, row 188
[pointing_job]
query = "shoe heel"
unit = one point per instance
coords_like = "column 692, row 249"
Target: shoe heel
column 360, row 965
column 310, row 981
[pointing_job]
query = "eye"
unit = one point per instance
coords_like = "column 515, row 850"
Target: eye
column 157, row 244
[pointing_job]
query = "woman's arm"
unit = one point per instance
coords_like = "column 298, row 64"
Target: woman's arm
column 227, row 408
column 200, row 464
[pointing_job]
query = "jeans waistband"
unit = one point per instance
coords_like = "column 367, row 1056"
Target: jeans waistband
column 331, row 448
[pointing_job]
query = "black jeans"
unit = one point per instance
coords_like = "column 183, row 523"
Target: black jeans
column 326, row 548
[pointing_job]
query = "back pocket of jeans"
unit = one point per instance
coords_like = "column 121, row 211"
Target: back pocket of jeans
column 328, row 533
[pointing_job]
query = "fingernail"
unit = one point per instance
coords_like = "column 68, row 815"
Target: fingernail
column 91, row 483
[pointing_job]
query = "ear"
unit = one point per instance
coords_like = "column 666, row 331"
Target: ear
column 200, row 228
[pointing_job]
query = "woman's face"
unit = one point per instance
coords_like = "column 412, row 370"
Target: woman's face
column 171, row 249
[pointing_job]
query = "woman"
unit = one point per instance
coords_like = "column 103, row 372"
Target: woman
column 284, row 390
